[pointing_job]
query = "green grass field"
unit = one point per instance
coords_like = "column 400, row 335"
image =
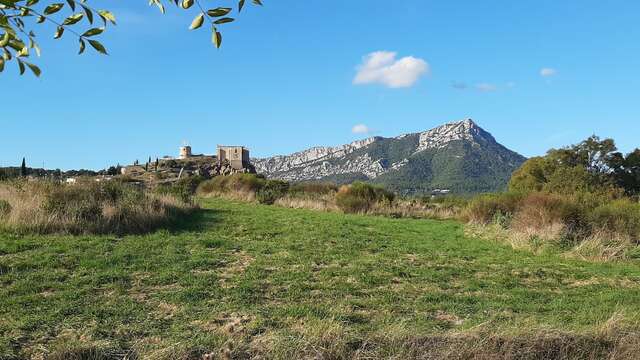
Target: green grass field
column 243, row 280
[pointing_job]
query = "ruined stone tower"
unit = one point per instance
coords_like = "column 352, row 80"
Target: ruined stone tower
column 185, row 152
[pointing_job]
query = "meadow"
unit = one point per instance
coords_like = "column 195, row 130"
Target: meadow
column 243, row 280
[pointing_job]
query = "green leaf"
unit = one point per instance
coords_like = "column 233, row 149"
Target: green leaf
column 5, row 39
column 72, row 4
column 1, row 64
column 59, row 32
column 82, row 46
column 257, row 2
column 224, row 20
column 17, row 45
column 73, row 19
column 53, row 8
column 21, row 66
column 34, row 69
column 240, row 5
column 216, row 38
column 107, row 16
column 93, row 32
column 187, row 4
column 217, row 12
column 88, row 12
column 98, row 46
column 197, row 22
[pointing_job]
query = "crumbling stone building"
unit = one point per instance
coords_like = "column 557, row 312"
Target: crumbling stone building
column 237, row 156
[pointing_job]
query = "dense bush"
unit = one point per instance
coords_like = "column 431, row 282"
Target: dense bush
column 87, row 207
column 583, row 221
column 484, row 209
column 183, row 189
column 553, row 215
column 360, row 197
column 271, row 191
column 236, row 182
column 618, row 217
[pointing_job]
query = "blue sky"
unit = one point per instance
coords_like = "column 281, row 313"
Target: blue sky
column 293, row 74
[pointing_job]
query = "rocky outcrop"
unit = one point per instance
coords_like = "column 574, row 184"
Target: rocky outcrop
column 224, row 168
column 281, row 164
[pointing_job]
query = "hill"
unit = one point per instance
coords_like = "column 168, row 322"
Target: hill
column 459, row 156
column 249, row 281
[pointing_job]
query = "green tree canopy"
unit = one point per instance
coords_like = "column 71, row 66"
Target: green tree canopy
column 594, row 165
column 19, row 20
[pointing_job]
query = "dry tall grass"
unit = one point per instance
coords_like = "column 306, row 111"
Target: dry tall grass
column 86, row 208
column 357, row 198
column 401, row 208
column 585, row 229
column 312, row 202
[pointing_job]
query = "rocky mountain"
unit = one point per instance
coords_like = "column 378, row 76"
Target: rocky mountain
column 458, row 156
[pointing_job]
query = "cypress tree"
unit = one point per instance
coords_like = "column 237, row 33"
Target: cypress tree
column 23, row 168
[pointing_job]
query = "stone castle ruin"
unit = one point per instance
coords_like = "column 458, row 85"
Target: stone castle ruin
column 228, row 160
column 233, row 160
column 237, row 156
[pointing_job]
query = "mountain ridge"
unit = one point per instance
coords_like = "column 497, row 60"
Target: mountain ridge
column 409, row 163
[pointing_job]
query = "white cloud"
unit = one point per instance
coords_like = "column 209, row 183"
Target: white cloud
column 486, row 87
column 548, row 72
column 381, row 67
column 360, row 129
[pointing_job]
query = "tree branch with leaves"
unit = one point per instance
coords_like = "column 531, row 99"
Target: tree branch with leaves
column 19, row 19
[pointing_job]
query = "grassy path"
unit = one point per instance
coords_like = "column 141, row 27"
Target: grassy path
column 244, row 279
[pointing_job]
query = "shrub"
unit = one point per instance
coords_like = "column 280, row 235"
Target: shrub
column 272, row 191
column 206, row 187
column 183, row 189
column 550, row 216
column 620, row 217
column 360, row 197
column 81, row 203
column 236, row 182
column 485, row 208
